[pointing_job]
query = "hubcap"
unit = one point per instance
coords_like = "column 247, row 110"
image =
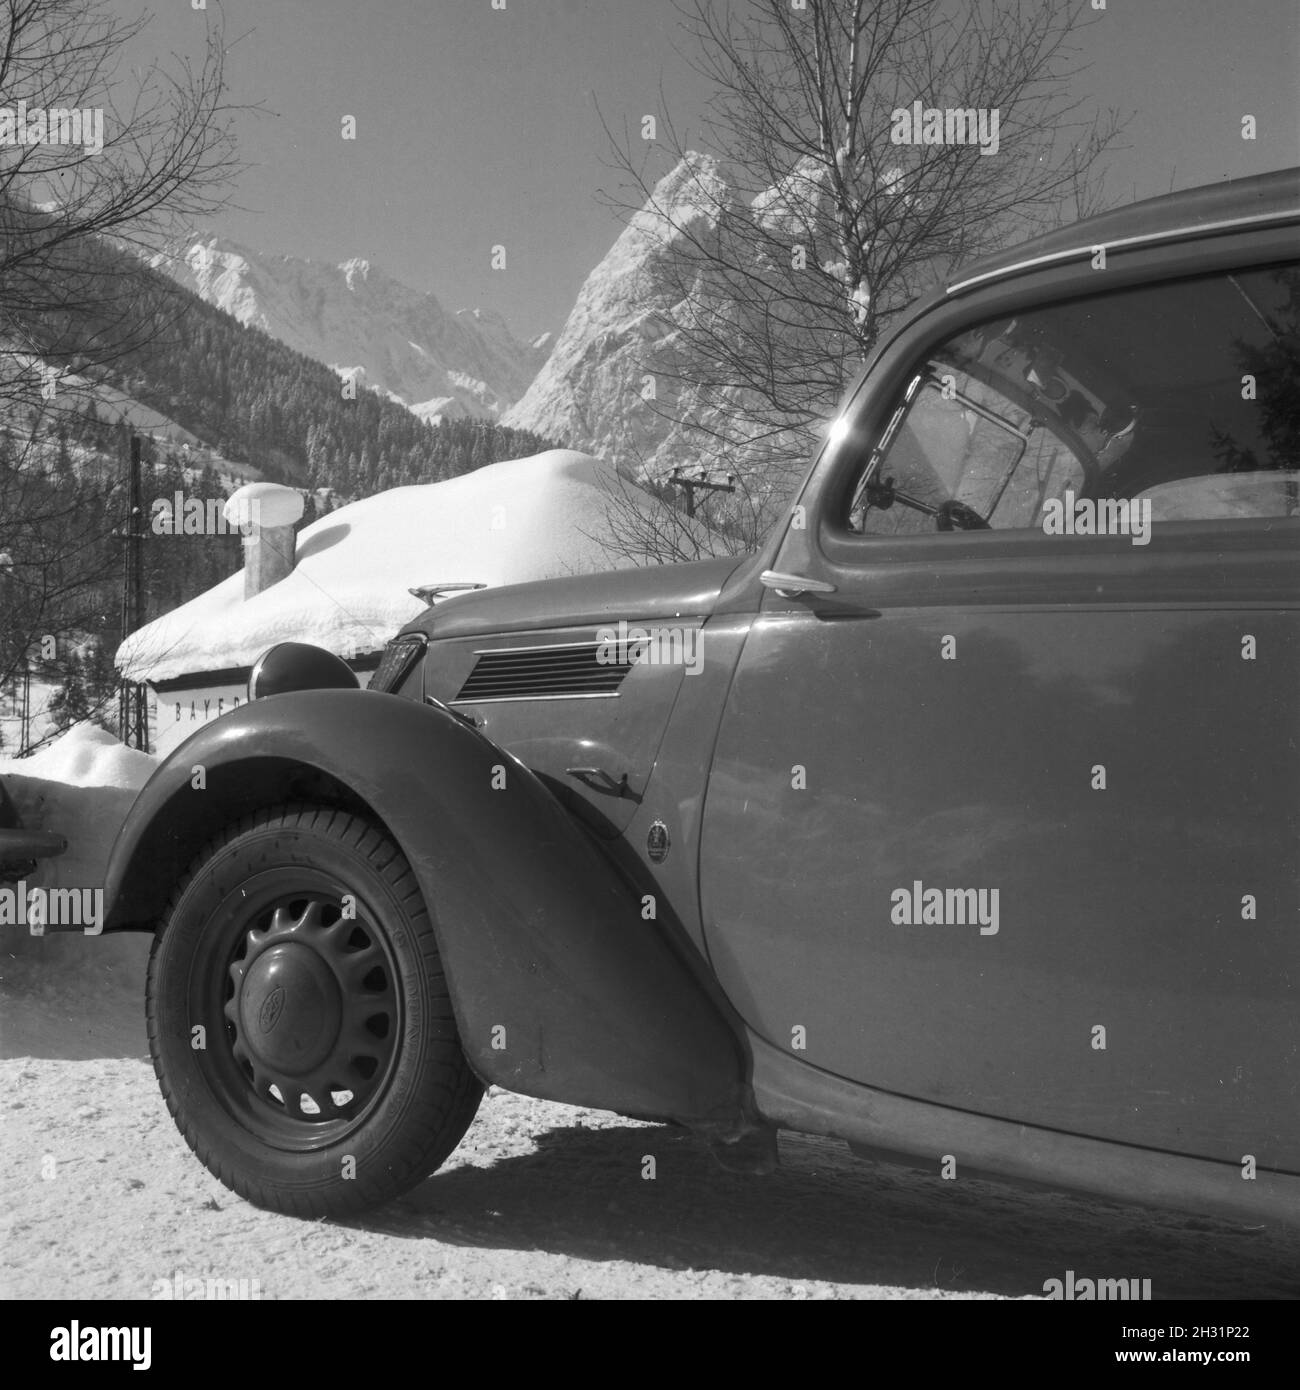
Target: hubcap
column 290, row 1009
column 310, row 1007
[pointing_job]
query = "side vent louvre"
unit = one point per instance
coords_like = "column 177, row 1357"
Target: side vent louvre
column 537, row 673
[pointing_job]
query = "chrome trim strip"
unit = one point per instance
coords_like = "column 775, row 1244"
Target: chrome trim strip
column 552, row 647
column 1147, row 238
column 510, row 699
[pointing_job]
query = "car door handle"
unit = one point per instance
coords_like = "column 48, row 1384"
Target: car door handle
column 601, row 781
column 792, row 585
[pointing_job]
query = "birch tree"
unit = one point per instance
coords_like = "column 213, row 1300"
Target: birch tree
column 832, row 205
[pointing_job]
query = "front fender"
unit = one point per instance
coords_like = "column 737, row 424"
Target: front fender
column 560, row 988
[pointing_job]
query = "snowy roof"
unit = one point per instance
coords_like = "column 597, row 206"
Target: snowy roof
column 506, row 523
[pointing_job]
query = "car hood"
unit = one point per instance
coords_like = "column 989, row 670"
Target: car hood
column 659, row 591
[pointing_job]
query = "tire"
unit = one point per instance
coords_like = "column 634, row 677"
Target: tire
column 304, row 1042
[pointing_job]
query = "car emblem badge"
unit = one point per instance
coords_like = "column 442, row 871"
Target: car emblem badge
column 657, row 842
column 272, row 1007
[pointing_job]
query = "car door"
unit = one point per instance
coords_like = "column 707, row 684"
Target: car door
column 1004, row 805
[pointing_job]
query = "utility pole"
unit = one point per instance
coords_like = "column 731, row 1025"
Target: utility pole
column 133, row 711
column 701, row 481
column 25, row 709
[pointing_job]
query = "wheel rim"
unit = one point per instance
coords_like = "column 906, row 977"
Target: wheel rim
column 304, row 1007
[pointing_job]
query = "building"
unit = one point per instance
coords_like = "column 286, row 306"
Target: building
column 344, row 583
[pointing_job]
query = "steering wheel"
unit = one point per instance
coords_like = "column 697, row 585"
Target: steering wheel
column 948, row 516
column 957, row 516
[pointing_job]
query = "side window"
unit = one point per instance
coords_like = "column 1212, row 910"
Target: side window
column 1181, row 401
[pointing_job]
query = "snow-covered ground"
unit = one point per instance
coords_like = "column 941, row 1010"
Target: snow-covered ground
column 61, row 989
column 81, row 785
column 39, row 723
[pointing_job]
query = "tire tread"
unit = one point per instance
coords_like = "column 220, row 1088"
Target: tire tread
column 433, row 1117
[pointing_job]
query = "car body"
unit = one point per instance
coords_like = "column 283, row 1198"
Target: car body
column 959, row 822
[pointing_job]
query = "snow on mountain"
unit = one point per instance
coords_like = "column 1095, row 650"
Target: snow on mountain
column 624, row 333
column 591, row 392
column 366, row 325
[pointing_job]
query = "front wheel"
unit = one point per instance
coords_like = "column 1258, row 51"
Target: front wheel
column 299, row 1019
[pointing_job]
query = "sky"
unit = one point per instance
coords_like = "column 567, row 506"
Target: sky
column 478, row 126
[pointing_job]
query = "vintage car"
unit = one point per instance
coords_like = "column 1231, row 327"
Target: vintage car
column 959, row 821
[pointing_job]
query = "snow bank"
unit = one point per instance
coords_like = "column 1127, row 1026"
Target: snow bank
column 506, row 523
column 82, row 785
column 63, row 983
column 85, row 756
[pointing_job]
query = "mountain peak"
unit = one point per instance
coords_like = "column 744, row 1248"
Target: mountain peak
column 354, row 270
column 693, row 173
column 589, row 388
column 694, row 187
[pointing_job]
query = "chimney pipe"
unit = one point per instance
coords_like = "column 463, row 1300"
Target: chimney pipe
column 265, row 513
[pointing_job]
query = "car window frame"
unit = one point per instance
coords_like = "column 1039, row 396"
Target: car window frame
column 828, row 543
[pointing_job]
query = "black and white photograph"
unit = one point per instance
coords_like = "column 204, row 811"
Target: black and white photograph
column 650, row 652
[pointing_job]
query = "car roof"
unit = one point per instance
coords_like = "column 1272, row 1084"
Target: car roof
column 1226, row 206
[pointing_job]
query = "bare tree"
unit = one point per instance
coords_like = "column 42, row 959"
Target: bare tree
column 817, row 204
column 98, row 158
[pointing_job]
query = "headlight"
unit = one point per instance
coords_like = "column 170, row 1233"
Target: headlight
column 298, row 666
